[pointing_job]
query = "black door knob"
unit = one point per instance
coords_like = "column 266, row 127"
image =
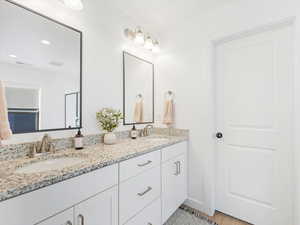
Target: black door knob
column 219, row 135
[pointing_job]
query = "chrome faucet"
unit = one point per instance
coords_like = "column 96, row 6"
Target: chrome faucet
column 146, row 130
column 43, row 146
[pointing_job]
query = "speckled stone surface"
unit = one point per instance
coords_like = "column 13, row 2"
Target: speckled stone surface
column 94, row 157
column 14, row 151
column 182, row 217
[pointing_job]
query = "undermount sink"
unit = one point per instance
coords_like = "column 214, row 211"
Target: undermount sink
column 50, row 164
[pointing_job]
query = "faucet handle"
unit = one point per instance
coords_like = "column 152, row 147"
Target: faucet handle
column 146, row 129
column 141, row 133
column 33, row 150
column 52, row 148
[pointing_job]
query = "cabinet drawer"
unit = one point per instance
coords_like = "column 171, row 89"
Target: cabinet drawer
column 137, row 192
column 173, row 151
column 63, row 218
column 150, row 215
column 135, row 166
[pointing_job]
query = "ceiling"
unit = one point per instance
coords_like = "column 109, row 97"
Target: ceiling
column 161, row 14
column 21, row 35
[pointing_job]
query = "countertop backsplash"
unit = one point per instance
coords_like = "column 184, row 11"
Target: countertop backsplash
column 15, row 151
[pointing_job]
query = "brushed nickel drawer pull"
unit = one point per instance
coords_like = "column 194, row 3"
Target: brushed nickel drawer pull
column 145, row 192
column 81, row 218
column 145, row 164
column 177, row 168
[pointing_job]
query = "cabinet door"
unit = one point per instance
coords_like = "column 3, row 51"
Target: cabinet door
column 174, row 185
column 63, row 218
column 101, row 209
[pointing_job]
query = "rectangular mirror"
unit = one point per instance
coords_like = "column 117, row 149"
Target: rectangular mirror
column 41, row 67
column 138, row 75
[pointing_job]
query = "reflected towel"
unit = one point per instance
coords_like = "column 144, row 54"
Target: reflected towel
column 5, row 131
column 168, row 118
column 139, row 112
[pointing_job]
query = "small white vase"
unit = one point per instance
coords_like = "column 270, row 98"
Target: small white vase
column 110, row 138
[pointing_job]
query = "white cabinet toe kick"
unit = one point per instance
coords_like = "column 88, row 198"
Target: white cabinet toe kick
column 140, row 191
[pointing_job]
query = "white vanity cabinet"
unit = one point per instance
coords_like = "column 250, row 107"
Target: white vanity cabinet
column 174, row 179
column 144, row 190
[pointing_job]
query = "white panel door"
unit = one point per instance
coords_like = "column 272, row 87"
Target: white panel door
column 101, row 209
column 254, row 113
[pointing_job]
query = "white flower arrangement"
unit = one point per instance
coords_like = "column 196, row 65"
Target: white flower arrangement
column 109, row 119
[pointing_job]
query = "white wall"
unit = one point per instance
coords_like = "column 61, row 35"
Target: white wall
column 103, row 43
column 185, row 66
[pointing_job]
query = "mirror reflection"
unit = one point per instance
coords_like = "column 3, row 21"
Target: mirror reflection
column 40, row 65
column 138, row 90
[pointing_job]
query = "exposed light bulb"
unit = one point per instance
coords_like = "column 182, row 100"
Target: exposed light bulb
column 148, row 43
column 74, row 4
column 139, row 36
column 155, row 46
column 129, row 34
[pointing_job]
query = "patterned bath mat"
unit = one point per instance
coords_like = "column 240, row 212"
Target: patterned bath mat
column 183, row 216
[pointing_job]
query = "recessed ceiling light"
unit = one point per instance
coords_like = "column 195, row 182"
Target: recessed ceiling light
column 45, row 42
column 20, row 63
column 12, row 56
column 56, row 63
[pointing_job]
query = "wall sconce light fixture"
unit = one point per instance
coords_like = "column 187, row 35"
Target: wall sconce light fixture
column 140, row 38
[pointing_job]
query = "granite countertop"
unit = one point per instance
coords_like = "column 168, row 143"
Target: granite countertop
column 94, row 157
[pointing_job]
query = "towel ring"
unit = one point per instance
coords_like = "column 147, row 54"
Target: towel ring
column 169, row 94
column 139, row 97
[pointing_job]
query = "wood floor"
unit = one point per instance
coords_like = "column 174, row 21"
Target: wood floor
column 222, row 219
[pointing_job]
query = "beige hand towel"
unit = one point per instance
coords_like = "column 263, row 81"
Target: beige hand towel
column 168, row 118
column 139, row 112
column 5, row 131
